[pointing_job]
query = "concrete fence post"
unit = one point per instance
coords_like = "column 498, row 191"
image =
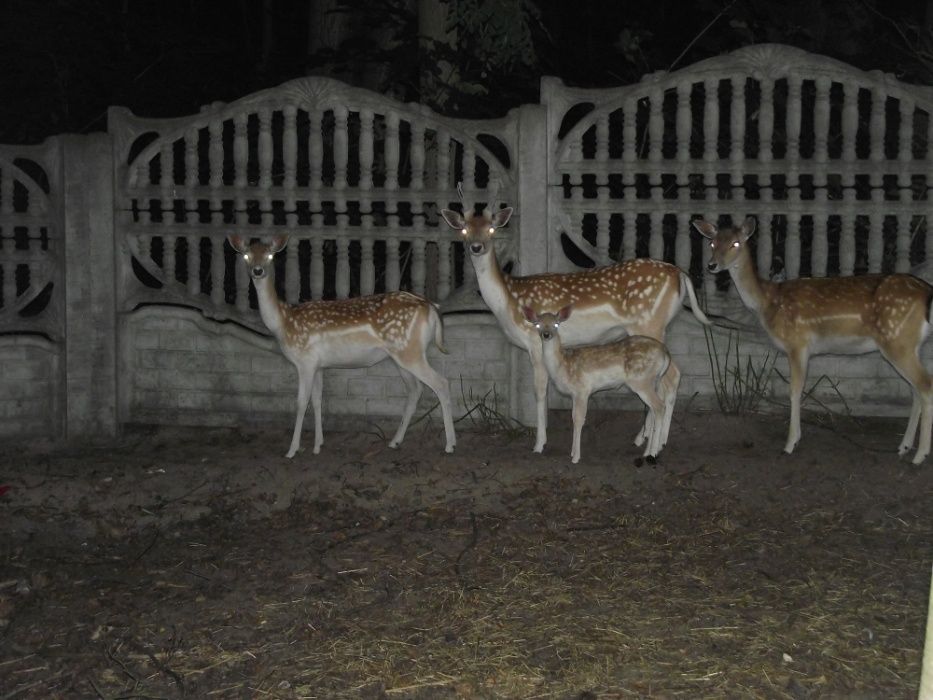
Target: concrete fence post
column 533, row 236
column 89, row 294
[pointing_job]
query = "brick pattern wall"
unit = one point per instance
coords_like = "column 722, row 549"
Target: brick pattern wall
column 29, row 387
column 862, row 384
column 180, row 368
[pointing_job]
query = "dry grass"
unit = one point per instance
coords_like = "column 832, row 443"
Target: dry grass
column 547, row 603
column 692, row 581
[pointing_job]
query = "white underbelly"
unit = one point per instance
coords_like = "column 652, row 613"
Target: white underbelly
column 842, row 346
column 838, row 345
column 338, row 355
column 595, row 326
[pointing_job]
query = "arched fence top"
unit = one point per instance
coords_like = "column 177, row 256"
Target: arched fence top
column 315, row 95
column 763, row 63
column 836, row 162
column 357, row 178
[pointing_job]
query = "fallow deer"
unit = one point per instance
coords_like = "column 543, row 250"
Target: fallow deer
column 347, row 333
column 633, row 297
column 838, row 316
column 637, row 361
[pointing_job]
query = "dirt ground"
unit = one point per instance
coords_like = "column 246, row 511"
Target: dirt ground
column 201, row 563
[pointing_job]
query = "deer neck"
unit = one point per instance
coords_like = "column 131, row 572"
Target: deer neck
column 752, row 290
column 553, row 354
column 271, row 308
column 492, row 285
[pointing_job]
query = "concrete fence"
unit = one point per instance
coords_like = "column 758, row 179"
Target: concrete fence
column 121, row 302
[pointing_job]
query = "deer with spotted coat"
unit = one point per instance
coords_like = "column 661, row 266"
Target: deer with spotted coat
column 633, row 297
column 348, row 333
column 636, row 361
column 836, row 316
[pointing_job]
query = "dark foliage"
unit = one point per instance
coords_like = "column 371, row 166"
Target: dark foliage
column 65, row 61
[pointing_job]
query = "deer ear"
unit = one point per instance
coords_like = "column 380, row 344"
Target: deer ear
column 501, row 217
column 564, row 313
column 705, row 228
column 279, row 242
column 529, row 314
column 748, row 227
column 238, row 243
column 453, row 218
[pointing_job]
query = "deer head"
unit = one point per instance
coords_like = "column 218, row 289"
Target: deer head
column 475, row 229
column 259, row 255
column 727, row 243
column 546, row 324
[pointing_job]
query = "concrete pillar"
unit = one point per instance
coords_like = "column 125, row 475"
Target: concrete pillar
column 533, row 240
column 89, row 293
column 532, row 190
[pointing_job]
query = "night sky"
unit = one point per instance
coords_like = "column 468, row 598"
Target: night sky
column 66, row 61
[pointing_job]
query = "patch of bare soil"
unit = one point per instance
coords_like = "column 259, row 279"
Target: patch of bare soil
column 200, row 563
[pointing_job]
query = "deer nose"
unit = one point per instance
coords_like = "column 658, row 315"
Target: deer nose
column 477, row 247
column 712, row 266
column 258, row 272
column 546, row 335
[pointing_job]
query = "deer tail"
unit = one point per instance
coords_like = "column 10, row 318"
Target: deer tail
column 438, row 329
column 694, row 304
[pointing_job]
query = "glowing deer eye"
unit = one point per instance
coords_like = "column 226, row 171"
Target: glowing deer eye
column 492, row 230
column 736, row 244
column 246, row 257
column 269, row 256
column 712, row 244
column 463, row 231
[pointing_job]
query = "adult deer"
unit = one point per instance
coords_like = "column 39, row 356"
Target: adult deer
column 348, row 333
column 837, row 315
column 633, row 297
column 637, row 361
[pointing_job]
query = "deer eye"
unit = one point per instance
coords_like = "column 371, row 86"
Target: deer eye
column 736, row 244
column 492, row 229
column 537, row 325
column 269, row 256
column 246, row 257
column 463, row 231
column 712, row 244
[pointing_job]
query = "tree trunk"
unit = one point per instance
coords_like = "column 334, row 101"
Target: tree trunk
column 327, row 29
column 436, row 76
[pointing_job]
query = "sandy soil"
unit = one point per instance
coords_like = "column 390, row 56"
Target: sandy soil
column 201, row 563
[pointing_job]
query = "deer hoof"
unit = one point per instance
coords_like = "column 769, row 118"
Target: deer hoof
column 449, row 449
column 651, row 459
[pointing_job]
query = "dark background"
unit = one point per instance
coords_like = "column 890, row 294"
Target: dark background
column 63, row 62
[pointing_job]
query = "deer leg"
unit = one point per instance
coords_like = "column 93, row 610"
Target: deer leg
column 798, row 376
column 305, row 380
column 926, row 426
column 668, row 387
column 644, row 433
column 541, row 382
column 411, row 403
column 317, row 392
column 580, row 402
column 439, row 385
column 908, row 365
column 911, row 432
column 656, row 409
